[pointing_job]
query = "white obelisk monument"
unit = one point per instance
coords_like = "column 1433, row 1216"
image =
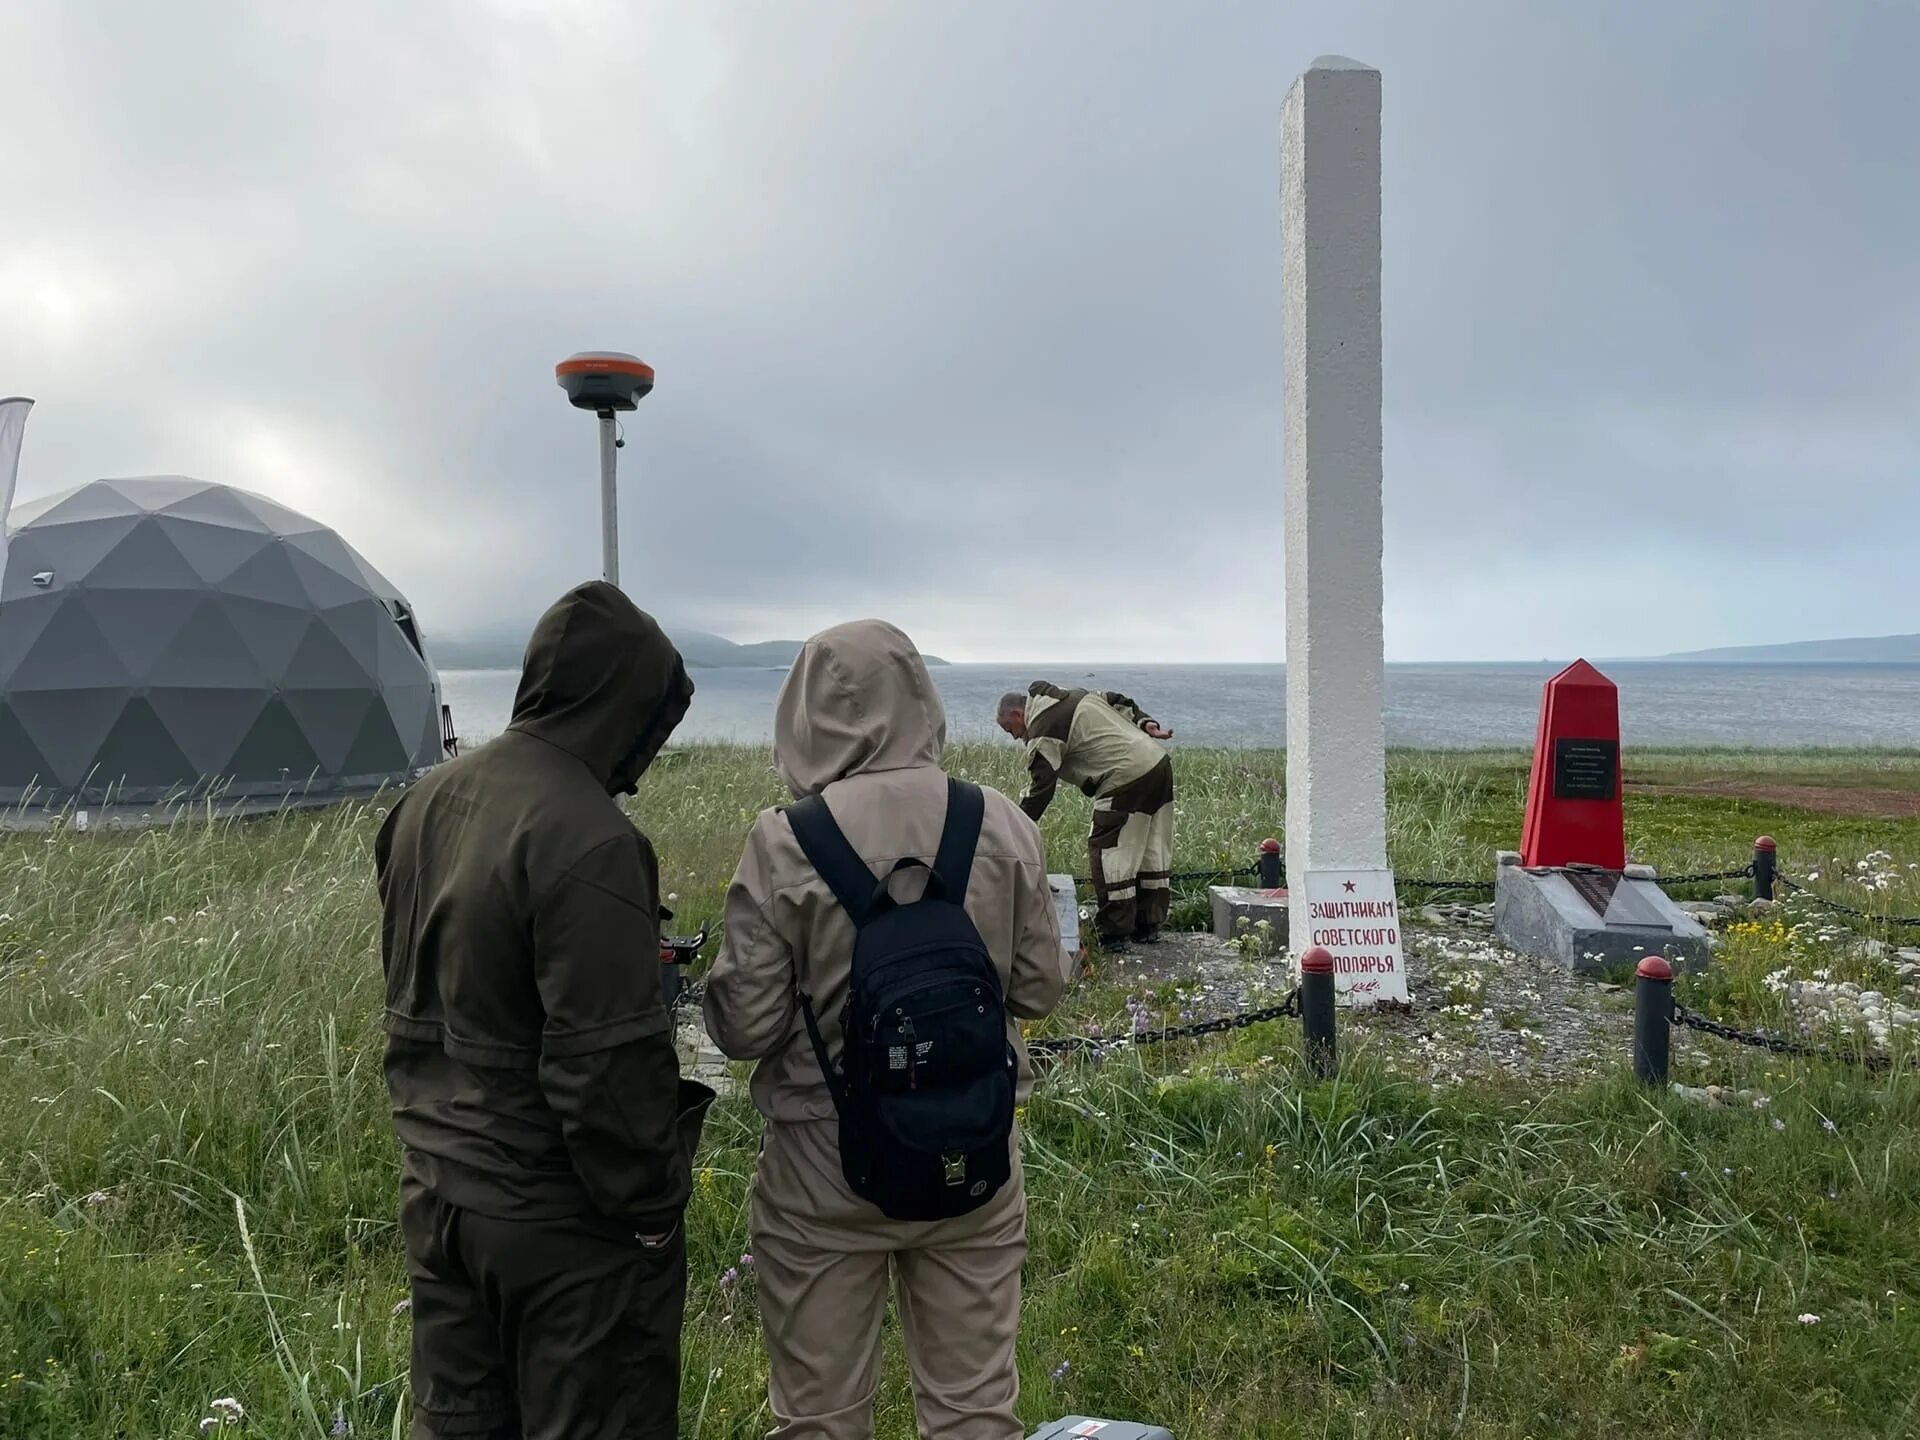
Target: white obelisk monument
column 1341, row 892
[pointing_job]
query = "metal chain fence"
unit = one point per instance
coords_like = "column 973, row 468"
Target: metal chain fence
column 1048, row 1050
column 1054, row 1046
column 1841, row 907
column 1687, row 1019
column 1190, row 877
column 1438, row 886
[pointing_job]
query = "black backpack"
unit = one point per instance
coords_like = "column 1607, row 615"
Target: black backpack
column 925, row 1087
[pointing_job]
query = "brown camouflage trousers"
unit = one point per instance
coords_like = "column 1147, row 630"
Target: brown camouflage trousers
column 1131, row 849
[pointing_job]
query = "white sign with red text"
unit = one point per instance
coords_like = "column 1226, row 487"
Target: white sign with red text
column 1354, row 915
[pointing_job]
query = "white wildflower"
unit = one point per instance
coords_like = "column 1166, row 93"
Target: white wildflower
column 227, row 1411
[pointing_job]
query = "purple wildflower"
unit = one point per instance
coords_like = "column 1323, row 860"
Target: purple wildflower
column 729, row 1278
column 1060, row 1371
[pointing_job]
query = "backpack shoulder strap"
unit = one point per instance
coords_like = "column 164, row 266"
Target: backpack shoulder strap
column 959, row 838
column 837, row 862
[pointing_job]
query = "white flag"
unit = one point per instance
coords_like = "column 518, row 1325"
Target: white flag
column 13, row 425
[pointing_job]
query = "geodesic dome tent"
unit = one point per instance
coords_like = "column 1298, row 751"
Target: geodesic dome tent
column 165, row 639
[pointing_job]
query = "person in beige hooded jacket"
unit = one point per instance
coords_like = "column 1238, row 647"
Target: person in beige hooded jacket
column 859, row 723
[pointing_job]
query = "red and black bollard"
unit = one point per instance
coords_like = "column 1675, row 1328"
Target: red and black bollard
column 1765, row 854
column 1652, row 1020
column 672, row 976
column 1316, row 1012
column 1270, row 872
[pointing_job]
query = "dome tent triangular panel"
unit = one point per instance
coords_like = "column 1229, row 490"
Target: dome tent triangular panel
column 214, row 551
column 140, row 753
column 275, row 518
column 140, row 625
column 209, row 722
column 331, row 719
column 62, row 554
column 275, row 753
column 271, row 631
column 149, row 494
column 361, row 627
column 268, row 575
column 69, row 654
column 324, row 585
column 82, row 505
column 145, row 559
column 22, row 766
column 219, row 505
column 26, row 617
column 373, row 748
column 207, row 652
column 194, row 640
column 324, row 662
column 68, row 727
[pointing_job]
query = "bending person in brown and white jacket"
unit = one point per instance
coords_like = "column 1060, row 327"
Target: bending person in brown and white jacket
column 1106, row 745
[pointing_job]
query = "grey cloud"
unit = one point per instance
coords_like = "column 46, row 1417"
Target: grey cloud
column 970, row 315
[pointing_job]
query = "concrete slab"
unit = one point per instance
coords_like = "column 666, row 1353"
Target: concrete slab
column 1066, row 904
column 1591, row 921
column 1237, row 909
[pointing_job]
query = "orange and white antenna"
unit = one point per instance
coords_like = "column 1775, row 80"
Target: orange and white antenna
column 604, row 381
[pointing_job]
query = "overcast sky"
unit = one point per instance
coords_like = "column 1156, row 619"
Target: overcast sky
column 968, row 314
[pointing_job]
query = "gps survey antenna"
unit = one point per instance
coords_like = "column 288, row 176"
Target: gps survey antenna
column 604, row 381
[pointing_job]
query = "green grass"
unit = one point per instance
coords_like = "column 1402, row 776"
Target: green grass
column 197, row 1174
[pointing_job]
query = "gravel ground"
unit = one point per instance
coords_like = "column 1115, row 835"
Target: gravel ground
column 1478, row 1008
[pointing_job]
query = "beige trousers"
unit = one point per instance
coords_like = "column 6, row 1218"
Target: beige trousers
column 823, row 1258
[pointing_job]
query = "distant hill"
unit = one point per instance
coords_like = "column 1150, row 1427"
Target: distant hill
column 1863, row 650
column 502, row 650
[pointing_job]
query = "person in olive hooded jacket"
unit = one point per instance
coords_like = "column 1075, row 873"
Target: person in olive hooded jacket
column 546, row 1133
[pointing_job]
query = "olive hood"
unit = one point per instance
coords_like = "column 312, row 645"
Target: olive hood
column 602, row 682
column 858, row 700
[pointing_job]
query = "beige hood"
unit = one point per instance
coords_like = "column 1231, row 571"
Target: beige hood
column 859, row 700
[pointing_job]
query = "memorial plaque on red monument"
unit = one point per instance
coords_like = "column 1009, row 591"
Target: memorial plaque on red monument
column 1574, row 813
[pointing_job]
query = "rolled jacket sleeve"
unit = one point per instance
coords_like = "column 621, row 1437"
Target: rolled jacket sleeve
column 1043, row 777
column 1131, row 712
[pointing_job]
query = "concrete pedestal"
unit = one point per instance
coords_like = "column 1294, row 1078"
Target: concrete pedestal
column 1238, row 909
column 1066, row 905
column 1592, row 921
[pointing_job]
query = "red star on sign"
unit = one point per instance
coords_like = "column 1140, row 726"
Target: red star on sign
column 1350, row 887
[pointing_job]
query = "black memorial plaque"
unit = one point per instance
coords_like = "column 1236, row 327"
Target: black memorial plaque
column 1586, row 769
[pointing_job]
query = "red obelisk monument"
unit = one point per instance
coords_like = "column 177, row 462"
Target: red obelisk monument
column 1574, row 812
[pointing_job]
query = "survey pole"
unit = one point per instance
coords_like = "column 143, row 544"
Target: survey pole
column 605, row 382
